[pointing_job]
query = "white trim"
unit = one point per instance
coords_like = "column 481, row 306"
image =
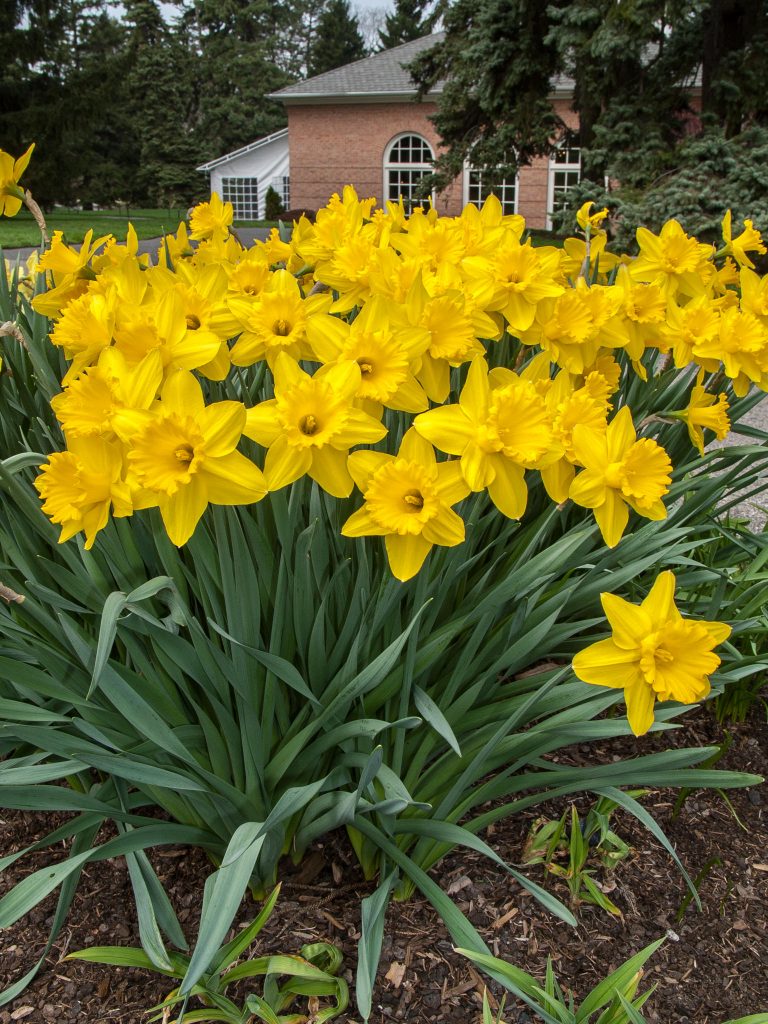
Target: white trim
column 468, row 169
column 274, row 137
column 552, row 168
column 389, row 165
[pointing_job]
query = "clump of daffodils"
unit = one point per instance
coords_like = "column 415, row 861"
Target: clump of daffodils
column 370, row 326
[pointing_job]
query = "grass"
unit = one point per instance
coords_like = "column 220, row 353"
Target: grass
column 21, row 230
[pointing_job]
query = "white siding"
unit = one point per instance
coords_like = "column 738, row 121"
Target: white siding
column 267, row 163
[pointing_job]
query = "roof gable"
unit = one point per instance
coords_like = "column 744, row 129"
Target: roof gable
column 382, row 74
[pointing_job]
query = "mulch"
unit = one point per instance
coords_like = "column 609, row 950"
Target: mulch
column 711, row 968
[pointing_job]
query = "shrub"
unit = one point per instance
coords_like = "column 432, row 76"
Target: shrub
column 273, row 205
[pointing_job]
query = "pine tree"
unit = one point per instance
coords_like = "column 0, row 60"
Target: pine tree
column 162, row 102
column 632, row 64
column 406, row 22
column 240, row 46
column 338, row 40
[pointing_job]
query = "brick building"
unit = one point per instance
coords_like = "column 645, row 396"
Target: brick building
column 360, row 125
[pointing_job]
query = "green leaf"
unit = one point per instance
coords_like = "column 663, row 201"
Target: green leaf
column 373, row 911
column 427, row 707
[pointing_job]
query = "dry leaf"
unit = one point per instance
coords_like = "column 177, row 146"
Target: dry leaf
column 395, row 974
column 458, row 884
column 22, row 1012
column 501, row 921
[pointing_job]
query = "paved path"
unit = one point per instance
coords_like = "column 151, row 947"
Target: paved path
column 150, row 245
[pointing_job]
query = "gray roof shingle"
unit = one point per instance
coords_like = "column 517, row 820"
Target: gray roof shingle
column 382, row 74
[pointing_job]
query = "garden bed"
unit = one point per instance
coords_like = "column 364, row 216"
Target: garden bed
column 711, row 968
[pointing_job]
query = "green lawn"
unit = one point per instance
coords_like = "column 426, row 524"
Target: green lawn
column 22, row 230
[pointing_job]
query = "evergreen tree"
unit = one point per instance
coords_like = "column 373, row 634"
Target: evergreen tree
column 162, row 103
column 338, row 40
column 408, row 21
column 632, row 63
column 240, row 46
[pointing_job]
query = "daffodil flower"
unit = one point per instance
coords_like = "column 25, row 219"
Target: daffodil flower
column 275, row 321
column 310, row 425
column 653, row 654
column 499, row 433
column 11, row 194
column 212, row 219
column 705, row 410
column 671, row 260
column 80, row 486
column 749, row 240
column 184, row 453
column 407, row 501
column 620, row 472
column 385, row 352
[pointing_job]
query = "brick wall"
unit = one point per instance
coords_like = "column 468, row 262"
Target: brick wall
column 333, row 145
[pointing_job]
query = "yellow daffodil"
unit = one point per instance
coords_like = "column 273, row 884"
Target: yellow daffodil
column 687, row 327
column 499, row 433
column 586, row 219
column 211, row 219
column 87, row 406
column 572, row 328
column 671, row 260
column 310, row 425
column 749, row 240
column 70, row 270
column 184, row 453
column 619, row 472
column 742, row 346
column 521, row 276
column 385, row 352
column 11, row 194
column 653, row 654
column 407, row 500
column 275, row 321
column 705, row 410
column 80, row 486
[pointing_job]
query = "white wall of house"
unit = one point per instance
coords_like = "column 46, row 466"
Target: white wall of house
column 243, row 177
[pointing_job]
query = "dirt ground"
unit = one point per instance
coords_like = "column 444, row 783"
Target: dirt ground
column 713, row 966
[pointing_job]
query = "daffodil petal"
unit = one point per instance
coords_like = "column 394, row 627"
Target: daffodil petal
column 363, row 464
column 508, row 490
column 181, row 511
column 446, row 529
column 447, row 428
column 362, row 524
column 406, row 554
column 285, row 463
column 612, row 517
column 477, row 467
column 588, row 489
column 222, row 426
column 451, row 485
column 262, row 424
column 659, row 604
column 181, row 393
column 606, row 664
column 629, row 622
column 329, row 469
column 640, row 699
column 233, row 480
column 620, row 434
column 476, row 391
column 416, row 448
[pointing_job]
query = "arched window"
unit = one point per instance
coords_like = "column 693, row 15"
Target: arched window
column 407, row 160
column 564, row 173
column 476, row 192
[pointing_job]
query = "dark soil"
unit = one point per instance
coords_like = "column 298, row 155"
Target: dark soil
column 711, row 968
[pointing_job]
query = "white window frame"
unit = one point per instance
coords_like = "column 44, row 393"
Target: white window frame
column 570, row 142
column 503, row 184
column 394, row 166
column 234, row 189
